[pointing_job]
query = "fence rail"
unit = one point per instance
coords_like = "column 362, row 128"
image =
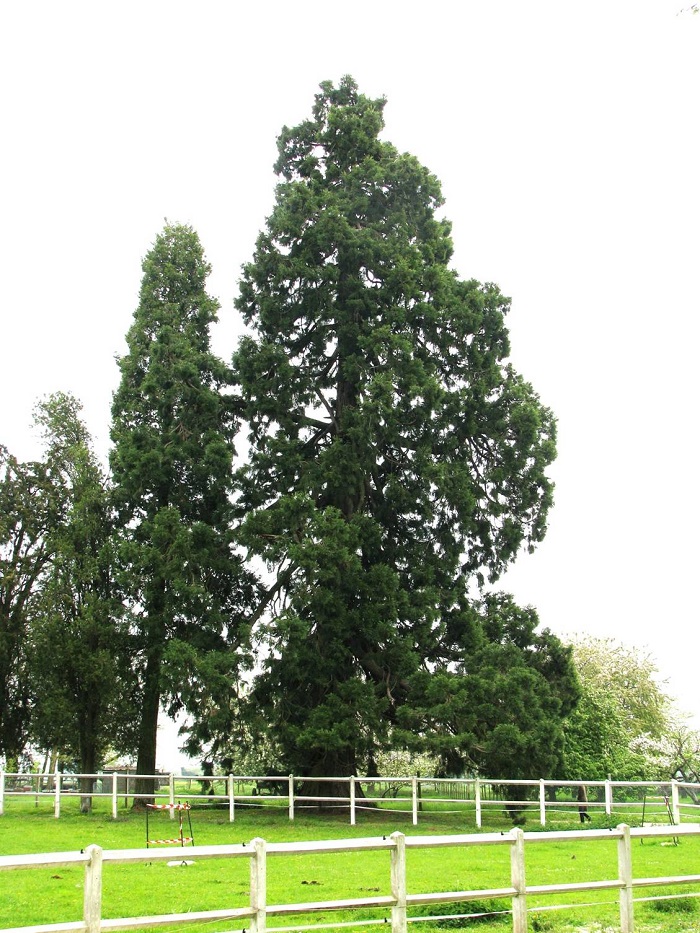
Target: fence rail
column 669, row 802
column 398, row 901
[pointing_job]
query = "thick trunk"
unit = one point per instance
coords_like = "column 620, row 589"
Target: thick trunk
column 89, row 726
column 327, row 792
column 148, row 729
column 88, row 766
column 86, row 789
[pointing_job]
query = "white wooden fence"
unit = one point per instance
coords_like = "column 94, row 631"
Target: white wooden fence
column 666, row 803
column 253, row 916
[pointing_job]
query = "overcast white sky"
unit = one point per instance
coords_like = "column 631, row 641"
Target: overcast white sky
column 566, row 138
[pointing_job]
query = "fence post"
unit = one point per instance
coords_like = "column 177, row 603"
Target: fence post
column 624, row 862
column 92, row 894
column 291, row 797
column 115, row 783
column 2, row 793
column 517, row 879
column 414, row 799
column 231, row 802
column 608, row 797
column 543, row 805
column 171, row 794
column 258, row 886
column 57, row 794
column 675, row 808
column 477, row 801
column 352, row 799
column 398, row 883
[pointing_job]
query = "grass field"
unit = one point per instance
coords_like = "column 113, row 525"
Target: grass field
column 49, row 895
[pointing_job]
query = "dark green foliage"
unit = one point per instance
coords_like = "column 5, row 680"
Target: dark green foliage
column 396, row 458
column 458, row 914
column 493, row 697
column 173, row 425
column 28, row 509
column 78, row 662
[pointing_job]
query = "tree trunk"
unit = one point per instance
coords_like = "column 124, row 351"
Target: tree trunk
column 331, row 766
column 148, row 730
column 87, row 785
column 88, row 766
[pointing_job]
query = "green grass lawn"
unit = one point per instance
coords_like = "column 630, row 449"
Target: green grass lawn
column 46, row 895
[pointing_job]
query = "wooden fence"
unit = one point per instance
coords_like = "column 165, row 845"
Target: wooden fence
column 665, row 803
column 397, row 901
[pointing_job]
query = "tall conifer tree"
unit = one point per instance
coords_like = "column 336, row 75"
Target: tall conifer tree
column 172, row 434
column 396, row 458
column 78, row 660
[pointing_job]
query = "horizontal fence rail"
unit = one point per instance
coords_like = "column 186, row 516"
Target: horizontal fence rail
column 667, row 803
column 397, row 901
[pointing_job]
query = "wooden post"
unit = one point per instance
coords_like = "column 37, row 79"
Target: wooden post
column 114, row 794
column 414, row 799
column 624, row 863
column 258, row 886
column 57, row 794
column 231, row 799
column 352, row 799
column 517, row 877
column 543, row 805
column 398, row 883
column 291, row 797
column 2, row 793
column 171, row 794
column 92, row 895
column 477, row 801
column 608, row 797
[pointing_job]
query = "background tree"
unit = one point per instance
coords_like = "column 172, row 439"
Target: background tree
column 172, row 432
column 28, row 509
column 396, row 458
column 493, row 695
column 78, row 664
column 624, row 715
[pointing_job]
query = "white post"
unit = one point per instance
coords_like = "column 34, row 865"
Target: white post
column 398, row 883
column 291, row 797
column 231, row 800
column 258, row 886
column 517, row 879
column 352, row 799
column 171, row 794
column 608, row 797
column 543, row 805
column 624, row 862
column 115, row 782
column 92, row 895
column 2, row 793
column 675, row 807
column 477, row 801
column 414, row 800
column 57, row 794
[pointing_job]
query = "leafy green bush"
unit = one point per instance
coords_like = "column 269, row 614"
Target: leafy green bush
column 486, row 911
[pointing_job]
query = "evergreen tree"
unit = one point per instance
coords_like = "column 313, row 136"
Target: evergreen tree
column 28, row 509
column 78, row 664
column 172, row 432
column 396, row 458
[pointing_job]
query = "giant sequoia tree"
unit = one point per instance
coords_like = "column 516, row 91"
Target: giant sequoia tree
column 172, row 433
column 396, row 458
